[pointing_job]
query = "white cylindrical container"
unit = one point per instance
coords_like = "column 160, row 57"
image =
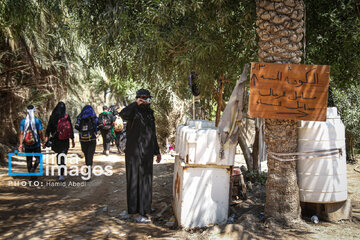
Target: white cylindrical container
column 322, row 179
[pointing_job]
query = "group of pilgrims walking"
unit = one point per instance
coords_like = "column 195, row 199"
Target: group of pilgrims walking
column 132, row 128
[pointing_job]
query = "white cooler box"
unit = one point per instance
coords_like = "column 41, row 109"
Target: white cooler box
column 200, row 194
column 198, row 142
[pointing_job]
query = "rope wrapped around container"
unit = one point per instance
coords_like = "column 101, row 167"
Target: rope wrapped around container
column 305, row 155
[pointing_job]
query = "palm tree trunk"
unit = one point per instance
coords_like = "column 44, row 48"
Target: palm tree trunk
column 280, row 29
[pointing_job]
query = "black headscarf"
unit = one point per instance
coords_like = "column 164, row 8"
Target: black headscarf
column 143, row 92
column 58, row 112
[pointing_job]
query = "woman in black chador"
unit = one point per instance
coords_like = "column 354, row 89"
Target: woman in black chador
column 61, row 130
column 141, row 147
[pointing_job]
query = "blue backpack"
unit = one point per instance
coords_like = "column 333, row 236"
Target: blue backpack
column 86, row 124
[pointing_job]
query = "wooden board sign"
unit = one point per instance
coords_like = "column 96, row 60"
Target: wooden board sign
column 289, row 91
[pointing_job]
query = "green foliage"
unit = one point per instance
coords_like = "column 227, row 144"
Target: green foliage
column 163, row 41
column 17, row 14
column 333, row 38
column 40, row 31
column 254, row 176
column 91, row 49
column 348, row 104
column 40, row 60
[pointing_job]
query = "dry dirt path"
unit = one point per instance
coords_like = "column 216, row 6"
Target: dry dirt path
column 79, row 209
column 94, row 209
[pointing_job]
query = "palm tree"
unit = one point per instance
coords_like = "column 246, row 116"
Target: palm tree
column 39, row 63
column 280, row 29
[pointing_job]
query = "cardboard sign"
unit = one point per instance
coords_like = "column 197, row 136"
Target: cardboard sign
column 289, row 91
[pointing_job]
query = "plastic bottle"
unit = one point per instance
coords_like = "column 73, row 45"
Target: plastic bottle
column 315, row 219
column 231, row 219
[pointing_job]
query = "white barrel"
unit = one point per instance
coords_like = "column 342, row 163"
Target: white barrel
column 322, row 179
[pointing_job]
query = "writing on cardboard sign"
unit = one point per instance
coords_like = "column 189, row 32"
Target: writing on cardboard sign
column 289, row 91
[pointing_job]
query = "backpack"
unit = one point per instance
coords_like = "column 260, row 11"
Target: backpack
column 63, row 128
column 118, row 124
column 86, row 129
column 122, row 143
column 29, row 138
column 105, row 121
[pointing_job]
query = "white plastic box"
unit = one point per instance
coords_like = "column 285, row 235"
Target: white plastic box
column 200, row 194
column 198, row 142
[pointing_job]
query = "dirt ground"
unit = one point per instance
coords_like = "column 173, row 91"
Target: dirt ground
column 43, row 209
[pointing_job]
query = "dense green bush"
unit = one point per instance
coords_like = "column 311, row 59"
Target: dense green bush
column 348, row 104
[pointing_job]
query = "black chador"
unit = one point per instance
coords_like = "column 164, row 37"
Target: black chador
column 141, row 146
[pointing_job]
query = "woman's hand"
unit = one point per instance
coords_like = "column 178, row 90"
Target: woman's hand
column 44, row 142
column 158, row 158
column 140, row 101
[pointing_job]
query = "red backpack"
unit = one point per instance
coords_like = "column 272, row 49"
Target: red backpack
column 29, row 138
column 64, row 128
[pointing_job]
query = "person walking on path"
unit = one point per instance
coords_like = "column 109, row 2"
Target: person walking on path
column 106, row 121
column 141, row 147
column 112, row 109
column 61, row 130
column 31, row 131
column 119, row 130
column 86, row 124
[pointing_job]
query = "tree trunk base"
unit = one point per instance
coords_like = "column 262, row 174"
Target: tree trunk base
column 282, row 191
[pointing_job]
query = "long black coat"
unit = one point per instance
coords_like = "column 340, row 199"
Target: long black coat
column 141, row 146
column 58, row 146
